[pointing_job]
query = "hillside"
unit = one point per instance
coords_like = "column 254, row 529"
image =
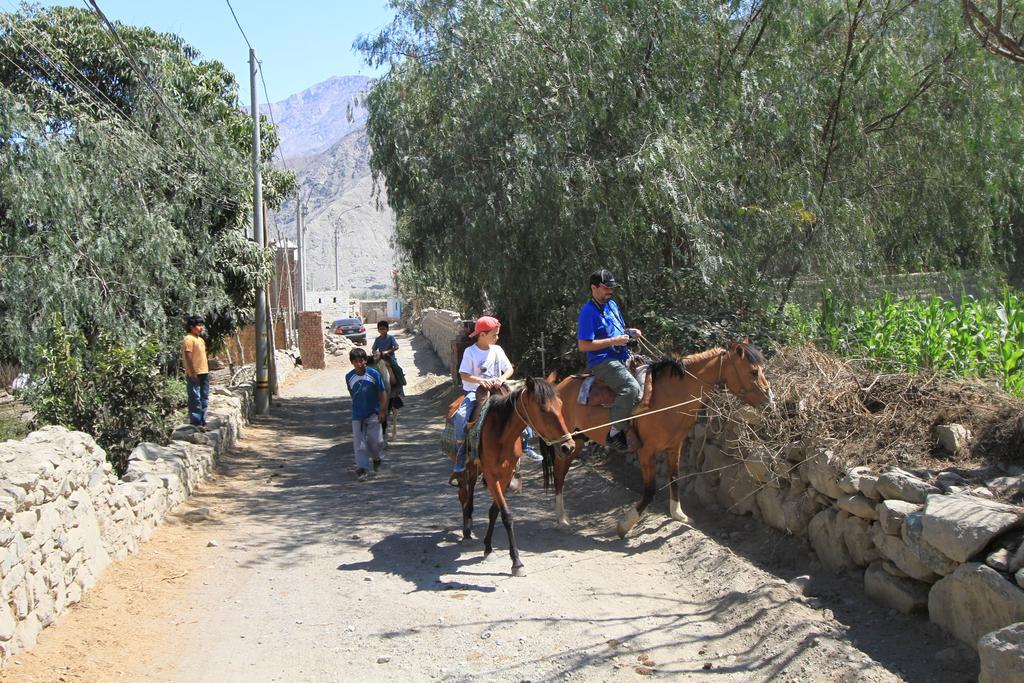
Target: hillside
column 331, row 157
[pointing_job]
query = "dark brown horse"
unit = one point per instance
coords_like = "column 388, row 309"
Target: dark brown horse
column 535, row 404
column 680, row 389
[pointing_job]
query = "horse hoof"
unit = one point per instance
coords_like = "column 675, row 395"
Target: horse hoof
column 467, row 539
column 627, row 522
column 518, row 571
column 678, row 515
column 564, row 525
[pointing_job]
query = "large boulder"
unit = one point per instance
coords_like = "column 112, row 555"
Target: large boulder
column 929, row 555
column 891, row 514
column 858, row 541
column 952, row 437
column 823, row 471
column 896, row 551
column 961, row 526
column 975, row 600
column 901, row 485
column 826, row 534
column 858, row 505
column 1002, row 655
column 903, row 594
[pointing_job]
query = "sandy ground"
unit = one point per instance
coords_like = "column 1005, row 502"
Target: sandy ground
column 313, row 576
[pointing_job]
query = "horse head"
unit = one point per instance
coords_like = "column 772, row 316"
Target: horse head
column 743, row 374
column 542, row 410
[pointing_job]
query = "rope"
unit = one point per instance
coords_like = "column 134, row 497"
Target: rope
column 632, row 417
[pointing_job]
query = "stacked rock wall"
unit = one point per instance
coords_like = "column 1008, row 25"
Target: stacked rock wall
column 931, row 543
column 441, row 328
column 64, row 514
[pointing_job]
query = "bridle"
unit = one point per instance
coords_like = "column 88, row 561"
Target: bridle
column 565, row 438
column 720, row 382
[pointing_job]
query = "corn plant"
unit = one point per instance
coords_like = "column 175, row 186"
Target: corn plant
column 979, row 337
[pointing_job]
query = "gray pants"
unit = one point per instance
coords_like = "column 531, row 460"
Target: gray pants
column 367, row 441
column 627, row 390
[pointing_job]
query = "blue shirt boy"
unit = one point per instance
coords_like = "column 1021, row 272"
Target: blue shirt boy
column 596, row 322
column 365, row 391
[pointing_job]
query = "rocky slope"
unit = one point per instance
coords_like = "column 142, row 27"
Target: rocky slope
column 331, row 157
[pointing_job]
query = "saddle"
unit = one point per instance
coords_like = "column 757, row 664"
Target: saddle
column 482, row 395
column 594, row 392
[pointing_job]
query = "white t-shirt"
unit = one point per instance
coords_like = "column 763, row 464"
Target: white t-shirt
column 489, row 364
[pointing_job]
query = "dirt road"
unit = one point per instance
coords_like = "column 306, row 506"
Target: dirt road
column 304, row 574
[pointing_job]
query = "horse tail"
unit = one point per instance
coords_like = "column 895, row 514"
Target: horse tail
column 548, row 463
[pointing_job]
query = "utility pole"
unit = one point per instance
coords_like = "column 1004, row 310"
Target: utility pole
column 302, row 253
column 337, row 285
column 337, row 227
column 262, row 398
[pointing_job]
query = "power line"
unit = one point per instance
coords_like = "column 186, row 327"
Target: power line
column 145, row 79
column 239, row 25
column 52, row 67
column 266, row 97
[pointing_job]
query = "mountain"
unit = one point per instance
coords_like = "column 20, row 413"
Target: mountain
column 311, row 121
column 331, row 158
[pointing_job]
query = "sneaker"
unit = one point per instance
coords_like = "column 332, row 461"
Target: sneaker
column 360, row 474
column 617, row 442
column 377, row 464
column 532, row 455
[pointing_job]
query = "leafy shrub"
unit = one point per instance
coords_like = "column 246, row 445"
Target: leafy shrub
column 11, row 427
column 979, row 337
column 112, row 390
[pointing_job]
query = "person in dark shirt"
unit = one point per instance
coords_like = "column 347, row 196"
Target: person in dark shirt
column 602, row 335
column 369, row 400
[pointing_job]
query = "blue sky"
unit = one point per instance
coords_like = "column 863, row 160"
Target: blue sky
column 299, row 43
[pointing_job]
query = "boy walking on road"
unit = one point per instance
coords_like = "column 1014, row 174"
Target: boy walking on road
column 369, row 399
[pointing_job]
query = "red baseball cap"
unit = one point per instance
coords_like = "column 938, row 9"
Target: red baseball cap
column 485, row 323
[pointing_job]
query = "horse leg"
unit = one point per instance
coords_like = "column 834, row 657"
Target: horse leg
column 647, row 467
column 506, row 519
column 561, row 466
column 466, row 488
column 674, row 509
column 492, row 516
column 393, row 421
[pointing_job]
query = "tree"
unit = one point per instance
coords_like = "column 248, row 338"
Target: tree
column 126, row 204
column 711, row 153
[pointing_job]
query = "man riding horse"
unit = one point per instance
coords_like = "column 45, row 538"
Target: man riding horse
column 603, row 336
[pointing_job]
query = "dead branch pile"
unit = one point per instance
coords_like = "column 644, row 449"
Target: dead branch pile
column 870, row 418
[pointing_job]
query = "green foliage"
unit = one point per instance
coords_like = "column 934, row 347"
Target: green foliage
column 106, row 388
column 11, row 427
column 980, row 337
column 710, row 153
column 118, row 209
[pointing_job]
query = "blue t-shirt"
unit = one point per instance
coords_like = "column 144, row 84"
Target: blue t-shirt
column 596, row 322
column 385, row 343
column 365, row 391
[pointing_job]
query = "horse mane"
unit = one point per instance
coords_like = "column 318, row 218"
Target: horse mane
column 503, row 407
column 676, row 367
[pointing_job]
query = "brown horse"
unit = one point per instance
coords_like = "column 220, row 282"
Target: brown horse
column 680, row 389
column 535, row 404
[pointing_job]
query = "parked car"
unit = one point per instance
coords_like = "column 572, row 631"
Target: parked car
column 352, row 328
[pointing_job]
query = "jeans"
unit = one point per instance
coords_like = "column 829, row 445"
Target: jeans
column 460, row 421
column 627, row 390
column 198, row 398
column 367, row 440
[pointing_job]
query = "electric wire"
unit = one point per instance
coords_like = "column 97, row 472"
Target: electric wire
column 51, row 67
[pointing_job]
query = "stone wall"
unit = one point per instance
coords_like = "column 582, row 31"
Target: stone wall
column 311, row 340
column 443, row 329
column 923, row 541
column 64, row 514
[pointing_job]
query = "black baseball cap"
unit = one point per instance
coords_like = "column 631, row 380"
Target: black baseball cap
column 603, row 277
